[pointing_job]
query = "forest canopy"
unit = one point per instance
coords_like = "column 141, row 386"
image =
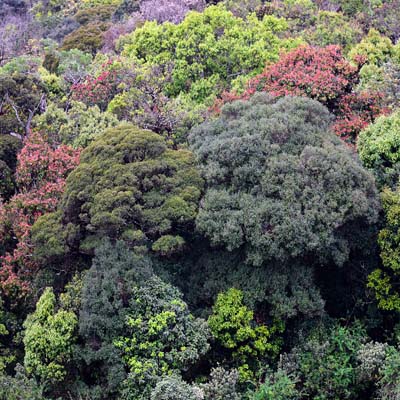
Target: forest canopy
column 199, row 200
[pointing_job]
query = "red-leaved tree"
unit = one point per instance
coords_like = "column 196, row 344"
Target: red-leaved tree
column 322, row 74
column 99, row 89
column 40, row 176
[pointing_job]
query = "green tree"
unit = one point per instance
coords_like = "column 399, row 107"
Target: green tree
column 325, row 366
column 106, row 289
column 333, row 28
column 379, row 149
column 20, row 387
column 48, row 340
column 280, row 186
column 384, row 281
column 209, row 49
column 87, row 38
column 161, row 337
column 78, row 127
column 9, row 147
column 22, row 96
column 130, row 186
column 173, row 388
column 232, row 325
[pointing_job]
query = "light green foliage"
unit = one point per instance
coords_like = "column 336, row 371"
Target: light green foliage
column 384, row 282
column 71, row 299
column 130, row 185
column 97, row 3
column 48, row 340
column 376, row 48
column 379, row 149
column 299, row 14
column 208, row 49
column 279, row 185
column 73, row 65
column 232, row 325
column 21, row 65
column 78, row 127
column 161, row 336
column 333, row 28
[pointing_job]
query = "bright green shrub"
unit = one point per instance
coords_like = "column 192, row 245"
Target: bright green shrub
column 48, row 340
column 232, row 325
column 208, row 50
column 379, row 149
column 161, row 337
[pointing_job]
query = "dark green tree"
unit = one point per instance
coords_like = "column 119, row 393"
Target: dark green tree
column 9, row 147
column 280, row 186
column 107, row 288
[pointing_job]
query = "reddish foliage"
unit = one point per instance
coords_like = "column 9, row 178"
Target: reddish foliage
column 98, row 90
column 322, row 74
column 40, row 176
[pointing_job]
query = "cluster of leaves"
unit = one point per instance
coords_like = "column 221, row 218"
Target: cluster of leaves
column 40, row 180
column 221, row 47
column 178, row 216
column 322, row 74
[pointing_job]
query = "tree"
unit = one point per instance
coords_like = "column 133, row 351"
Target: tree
column 384, row 281
column 48, row 340
column 87, row 38
column 333, row 28
column 130, row 186
column 40, row 179
column 389, row 387
column 322, row 74
column 9, row 147
column 144, row 103
column 77, row 127
column 20, row 386
column 161, row 337
column 221, row 47
column 325, row 366
column 106, row 290
column 222, row 385
column 378, row 148
column 22, row 96
column 279, row 186
column 174, row 388
column 232, row 325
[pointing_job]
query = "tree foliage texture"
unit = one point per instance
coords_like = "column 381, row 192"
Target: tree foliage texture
column 49, row 337
column 208, row 49
column 323, row 74
column 130, row 186
column 161, row 336
column 40, row 179
column 279, row 185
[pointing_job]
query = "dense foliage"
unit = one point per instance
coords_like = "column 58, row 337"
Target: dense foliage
column 199, row 200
